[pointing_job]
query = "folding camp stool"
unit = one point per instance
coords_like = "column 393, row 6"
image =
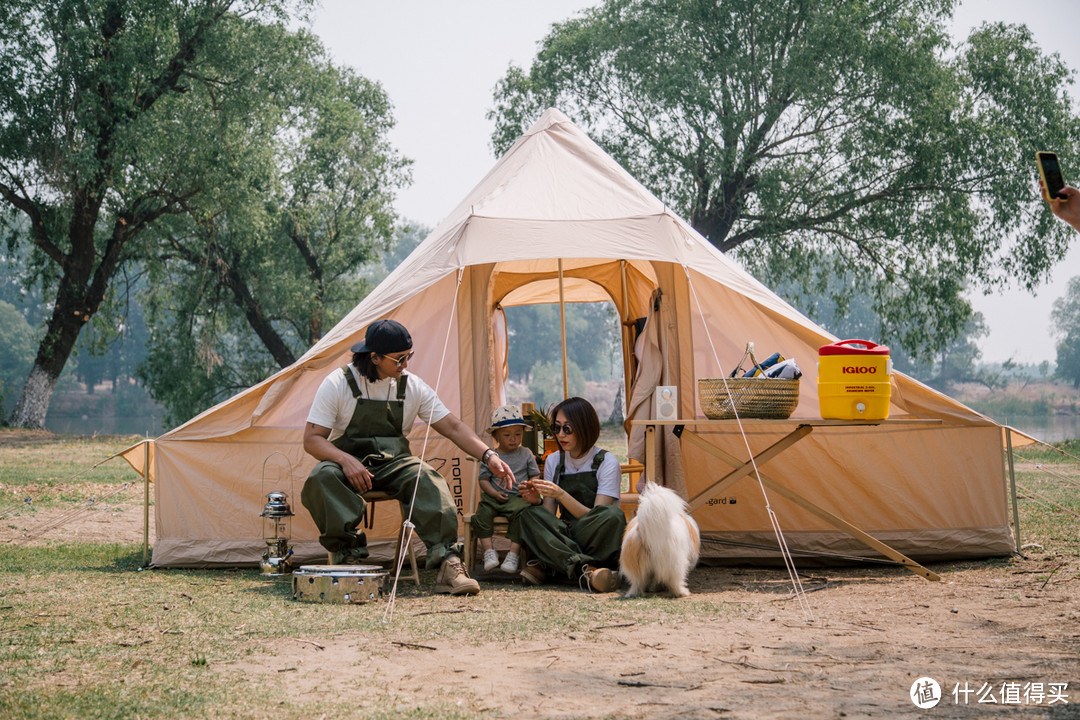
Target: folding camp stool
column 374, row 496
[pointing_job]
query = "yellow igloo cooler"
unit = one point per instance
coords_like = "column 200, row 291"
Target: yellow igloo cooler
column 854, row 380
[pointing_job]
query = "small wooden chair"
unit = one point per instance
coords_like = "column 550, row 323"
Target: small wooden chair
column 472, row 499
column 374, row 496
column 628, row 501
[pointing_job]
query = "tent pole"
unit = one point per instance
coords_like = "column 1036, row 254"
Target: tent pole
column 624, row 320
column 146, row 504
column 562, row 334
column 1012, row 484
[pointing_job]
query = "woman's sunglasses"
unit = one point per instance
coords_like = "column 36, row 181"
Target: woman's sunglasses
column 564, row 429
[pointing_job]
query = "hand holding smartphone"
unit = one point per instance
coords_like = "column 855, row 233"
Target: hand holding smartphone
column 1063, row 199
column 1050, row 174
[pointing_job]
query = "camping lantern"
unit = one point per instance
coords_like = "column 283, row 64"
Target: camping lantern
column 277, row 526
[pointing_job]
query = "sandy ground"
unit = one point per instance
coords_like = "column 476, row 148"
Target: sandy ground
column 874, row 633
column 1003, row 631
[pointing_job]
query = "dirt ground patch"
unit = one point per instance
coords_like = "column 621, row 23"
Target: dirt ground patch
column 116, row 520
column 1004, row 631
column 873, row 634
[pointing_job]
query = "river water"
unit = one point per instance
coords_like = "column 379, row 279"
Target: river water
column 1050, row 428
column 146, row 426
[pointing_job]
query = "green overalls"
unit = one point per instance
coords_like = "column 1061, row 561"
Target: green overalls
column 375, row 437
column 566, row 543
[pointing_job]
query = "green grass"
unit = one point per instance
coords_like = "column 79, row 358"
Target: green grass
column 1048, row 486
column 59, row 470
column 85, row 634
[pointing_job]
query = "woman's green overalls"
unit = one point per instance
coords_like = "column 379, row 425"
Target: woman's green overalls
column 567, row 543
column 375, row 437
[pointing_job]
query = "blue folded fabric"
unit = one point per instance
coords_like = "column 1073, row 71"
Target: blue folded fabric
column 764, row 365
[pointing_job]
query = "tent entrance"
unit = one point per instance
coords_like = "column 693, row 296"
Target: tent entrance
column 603, row 301
column 532, row 362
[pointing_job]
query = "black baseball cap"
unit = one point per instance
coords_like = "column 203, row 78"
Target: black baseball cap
column 384, row 336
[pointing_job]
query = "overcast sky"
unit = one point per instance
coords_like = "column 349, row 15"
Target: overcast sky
column 439, row 62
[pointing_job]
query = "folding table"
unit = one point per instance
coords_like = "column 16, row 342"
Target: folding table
column 800, row 429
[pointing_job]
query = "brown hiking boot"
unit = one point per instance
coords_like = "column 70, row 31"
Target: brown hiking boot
column 534, row 573
column 454, row 579
column 599, row 580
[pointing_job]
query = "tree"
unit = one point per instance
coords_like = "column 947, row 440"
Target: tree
column 108, row 123
column 409, row 236
column 114, row 342
column 957, row 360
column 1066, row 318
column 1068, row 358
column 546, row 383
column 849, row 317
column 197, row 357
column 953, row 362
column 592, row 339
column 17, row 339
column 816, row 138
column 280, row 255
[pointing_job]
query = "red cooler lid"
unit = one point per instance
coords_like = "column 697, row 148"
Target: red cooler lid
column 844, row 347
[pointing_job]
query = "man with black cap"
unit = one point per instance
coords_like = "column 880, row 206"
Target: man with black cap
column 356, row 429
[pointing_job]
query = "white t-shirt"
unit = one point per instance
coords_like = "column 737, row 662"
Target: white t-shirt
column 334, row 403
column 608, row 475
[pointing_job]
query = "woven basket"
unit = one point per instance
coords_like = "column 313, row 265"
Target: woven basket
column 757, row 397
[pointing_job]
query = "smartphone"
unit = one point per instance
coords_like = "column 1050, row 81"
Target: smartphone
column 1050, row 171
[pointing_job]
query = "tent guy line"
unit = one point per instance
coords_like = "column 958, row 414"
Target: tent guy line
column 407, row 526
column 785, row 552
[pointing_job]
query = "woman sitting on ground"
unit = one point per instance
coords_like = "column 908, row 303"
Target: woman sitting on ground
column 581, row 482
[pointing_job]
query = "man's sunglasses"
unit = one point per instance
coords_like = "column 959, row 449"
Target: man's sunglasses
column 564, row 429
column 401, row 359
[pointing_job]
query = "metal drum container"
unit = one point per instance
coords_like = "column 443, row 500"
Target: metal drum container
column 341, row 584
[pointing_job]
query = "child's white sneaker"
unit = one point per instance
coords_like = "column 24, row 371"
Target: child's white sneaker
column 491, row 560
column 510, row 564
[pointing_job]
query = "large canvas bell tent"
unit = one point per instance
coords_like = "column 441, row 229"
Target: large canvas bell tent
column 557, row 217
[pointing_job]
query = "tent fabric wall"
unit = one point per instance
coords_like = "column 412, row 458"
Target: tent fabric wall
column 931, row 491
column 872, row 478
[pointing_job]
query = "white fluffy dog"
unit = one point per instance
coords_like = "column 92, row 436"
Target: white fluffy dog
column 661, row 543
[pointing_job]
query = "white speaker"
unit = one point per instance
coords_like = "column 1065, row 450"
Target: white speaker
column 667, row 402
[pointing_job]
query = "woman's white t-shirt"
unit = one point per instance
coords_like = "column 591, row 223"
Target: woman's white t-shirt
column 608, row 475
column 334, row 403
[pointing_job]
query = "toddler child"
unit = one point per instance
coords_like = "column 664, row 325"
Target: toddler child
column 508, row 429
